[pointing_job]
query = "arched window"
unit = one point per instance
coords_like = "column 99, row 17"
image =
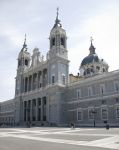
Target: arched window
column 88, row 71
column 84, row 73
column 26, row 62
column 63, row 42
column 103, row 70
column 53, row 41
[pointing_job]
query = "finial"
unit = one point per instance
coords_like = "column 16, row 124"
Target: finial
column 91, row 39
column 57, row 12
column 25, row 40
column 24, row 45
column 57, row 21
column 92, row 48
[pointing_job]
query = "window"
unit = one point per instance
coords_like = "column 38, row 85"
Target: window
column 88, row 71
column 103, row 70
column 63, row 79
column 78, row 94
column 116, row 86
column 104, row 113
column 62, row 42
column 39, row 101
column 26, row 62
column 102, row 89
column 104, row 102
column 90, row 91
column 117, row 112
column 90, row 113
column 79, row 114
column 117, row 100
column 53, row 79
column 53, row 41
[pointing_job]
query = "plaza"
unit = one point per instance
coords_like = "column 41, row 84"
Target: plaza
column 46, row 138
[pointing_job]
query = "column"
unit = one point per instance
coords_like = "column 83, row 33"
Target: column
column 26, row 111
column 31, row 82
column 28, row 84
column 36, row 109
column 23, row 112
column 41, row 79
column 47, row 108
column 23, row 85
column 41, row 109
column 31, row 112
column 37, row 80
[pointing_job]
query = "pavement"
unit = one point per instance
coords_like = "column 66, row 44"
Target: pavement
column 51, row 138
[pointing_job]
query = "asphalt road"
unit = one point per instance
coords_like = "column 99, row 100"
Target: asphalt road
column 59, row 139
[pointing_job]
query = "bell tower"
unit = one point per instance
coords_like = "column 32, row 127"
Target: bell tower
column 58, row 40
column 58, row 54
column 23, row 65
column 23, row 58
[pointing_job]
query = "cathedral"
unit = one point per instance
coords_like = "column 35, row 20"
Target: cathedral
column 47, row 95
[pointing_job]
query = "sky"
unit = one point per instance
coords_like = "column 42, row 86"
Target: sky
column 80, row 18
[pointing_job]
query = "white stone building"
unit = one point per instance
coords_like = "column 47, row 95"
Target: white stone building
column 46, row 95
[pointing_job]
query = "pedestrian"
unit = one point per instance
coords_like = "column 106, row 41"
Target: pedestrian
column 107, row 126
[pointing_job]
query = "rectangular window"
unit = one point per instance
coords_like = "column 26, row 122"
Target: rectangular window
column 117, row 100
column 117, row 112
column 79, row 114
column 116, row 86
column 104, row 102
column 90, row 93
column 63, row 79
column 53, row 79
column 90, row 113
column 102, row 89
column 78, row 94
column 104, row 113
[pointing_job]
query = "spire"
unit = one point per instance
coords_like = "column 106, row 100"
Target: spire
column 91, row 39
column 57, row 13
column 57, row 21
column 24, row 45
column 92, row 48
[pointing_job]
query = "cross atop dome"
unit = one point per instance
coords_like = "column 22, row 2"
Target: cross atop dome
column 92, row 48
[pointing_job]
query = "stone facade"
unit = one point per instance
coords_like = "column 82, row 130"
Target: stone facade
column 46, row 95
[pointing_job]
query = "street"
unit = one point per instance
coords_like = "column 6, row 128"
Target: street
column 51, row 138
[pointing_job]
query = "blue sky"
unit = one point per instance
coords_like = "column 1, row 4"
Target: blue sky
column 80, row 18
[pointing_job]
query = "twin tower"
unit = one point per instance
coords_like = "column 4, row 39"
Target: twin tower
column 34, row 71
column 55, row 69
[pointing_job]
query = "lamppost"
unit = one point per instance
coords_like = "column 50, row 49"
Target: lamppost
column 94, row 112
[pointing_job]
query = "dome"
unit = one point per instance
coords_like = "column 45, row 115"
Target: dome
column 92, row 64
column 90, row 59
column 57, row 30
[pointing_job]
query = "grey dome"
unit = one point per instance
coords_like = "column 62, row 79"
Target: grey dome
column 90, row 59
